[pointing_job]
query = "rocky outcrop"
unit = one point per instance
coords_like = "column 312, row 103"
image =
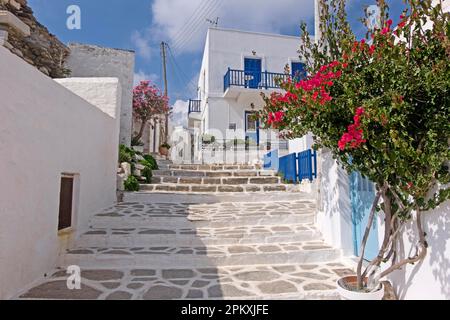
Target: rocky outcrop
column 40, row 49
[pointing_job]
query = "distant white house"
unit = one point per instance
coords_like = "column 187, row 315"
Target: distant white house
column 237, row 67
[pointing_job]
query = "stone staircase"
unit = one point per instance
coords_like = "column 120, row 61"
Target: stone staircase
column 216, row 179
column 182, row 246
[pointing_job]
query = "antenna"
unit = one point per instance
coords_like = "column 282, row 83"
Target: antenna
column 214, row 23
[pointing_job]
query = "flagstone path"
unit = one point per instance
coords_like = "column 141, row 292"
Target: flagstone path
column 251, row 248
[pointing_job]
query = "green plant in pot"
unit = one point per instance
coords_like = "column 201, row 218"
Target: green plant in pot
column 381, row 106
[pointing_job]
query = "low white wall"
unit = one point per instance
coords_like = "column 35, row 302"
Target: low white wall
column 334, row 215
column 301, row 144
column 429, row 279
column 46, row 130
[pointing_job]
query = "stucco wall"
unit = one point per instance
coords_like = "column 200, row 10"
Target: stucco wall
column 429, row 279
column 334, row 214
column 93, row 61
column 46, row 130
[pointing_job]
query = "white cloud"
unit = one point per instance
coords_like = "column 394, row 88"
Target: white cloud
column 170, row 18
column 179, row 113
column 142, row 44
column 141, row 75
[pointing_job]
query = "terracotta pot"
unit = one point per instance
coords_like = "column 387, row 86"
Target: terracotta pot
column 355, row 295
column 163, row 151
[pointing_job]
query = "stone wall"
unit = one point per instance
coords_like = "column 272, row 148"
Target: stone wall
column 94, row 61
column 40, row 49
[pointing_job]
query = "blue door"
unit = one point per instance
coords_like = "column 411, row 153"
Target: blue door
column 362, row 194
column 298, row 71
column 251, row 128
column 252, row 72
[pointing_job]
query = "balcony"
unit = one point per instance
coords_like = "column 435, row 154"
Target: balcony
column 194, row 106
column 244, row 80
column 195, row 109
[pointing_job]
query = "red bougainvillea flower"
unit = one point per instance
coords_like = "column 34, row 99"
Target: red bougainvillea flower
column 354, row 134
column 371, row 49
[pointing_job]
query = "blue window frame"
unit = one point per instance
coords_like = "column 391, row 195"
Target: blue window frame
column 298, row 70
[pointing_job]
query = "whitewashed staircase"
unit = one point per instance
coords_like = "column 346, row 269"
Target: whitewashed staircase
column 181, row 246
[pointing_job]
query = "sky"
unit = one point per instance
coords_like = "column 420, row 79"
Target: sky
column 142, row 25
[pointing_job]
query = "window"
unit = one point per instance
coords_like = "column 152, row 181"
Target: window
column 65, row 202
column 298, row 70
column 250, row 122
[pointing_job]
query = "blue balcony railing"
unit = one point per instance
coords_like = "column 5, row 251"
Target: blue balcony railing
column 252, row 80
column 194, row 106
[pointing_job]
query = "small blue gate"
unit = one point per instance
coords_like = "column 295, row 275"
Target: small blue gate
column 362, row 194
column 307, row 165
column 294, row 167
column 288, row 167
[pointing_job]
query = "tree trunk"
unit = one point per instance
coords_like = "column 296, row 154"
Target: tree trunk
column 141, row 130
column 365, row 238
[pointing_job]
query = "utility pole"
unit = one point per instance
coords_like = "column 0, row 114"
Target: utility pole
column 164, row 65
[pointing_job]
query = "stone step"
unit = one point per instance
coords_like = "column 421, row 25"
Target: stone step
column 228, row 181
column 253, row 282
column 180, row 222
column 213, row 215
column 215, row 167
column 214, row 174
column 201, row 256
column 209, row 197
column 137, row 237
column 214, row 188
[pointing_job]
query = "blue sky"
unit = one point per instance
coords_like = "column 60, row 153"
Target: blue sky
column 141, row 25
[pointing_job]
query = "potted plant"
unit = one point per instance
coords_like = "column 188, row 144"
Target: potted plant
column 381, row 106
column 164, row 149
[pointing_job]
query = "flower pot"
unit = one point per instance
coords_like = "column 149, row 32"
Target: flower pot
column 347, row 294
column 163, row 151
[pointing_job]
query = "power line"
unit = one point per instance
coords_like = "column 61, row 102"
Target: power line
column 180, row 72
column 191, row 26
column 214, row 6
column 194, row 16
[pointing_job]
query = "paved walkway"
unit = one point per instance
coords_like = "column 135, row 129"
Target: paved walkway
column 193, row 246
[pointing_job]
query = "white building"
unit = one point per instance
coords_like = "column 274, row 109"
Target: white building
column 237, row 67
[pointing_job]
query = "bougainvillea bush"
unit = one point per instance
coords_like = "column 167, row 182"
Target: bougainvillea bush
column 382, row 106
column 149, row 105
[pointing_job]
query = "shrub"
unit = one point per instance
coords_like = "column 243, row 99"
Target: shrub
column 131, row 184
column 147, row 174
column 126, row 154
column 151, row 162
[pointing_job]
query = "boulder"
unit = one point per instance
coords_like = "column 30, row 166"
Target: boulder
column 126, row 167
column 140, row 166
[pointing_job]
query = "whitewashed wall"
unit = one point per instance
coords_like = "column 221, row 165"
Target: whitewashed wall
column 429, row 279
column 334, row 215
column 94, row 61
column 46, row 130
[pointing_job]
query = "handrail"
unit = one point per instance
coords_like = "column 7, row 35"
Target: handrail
column 194, row 106
column 253, row 80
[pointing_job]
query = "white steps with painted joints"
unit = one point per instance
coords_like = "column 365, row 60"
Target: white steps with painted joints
column 130, row 237
column 202, row 256
column 202, row 245
column 198, row 179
